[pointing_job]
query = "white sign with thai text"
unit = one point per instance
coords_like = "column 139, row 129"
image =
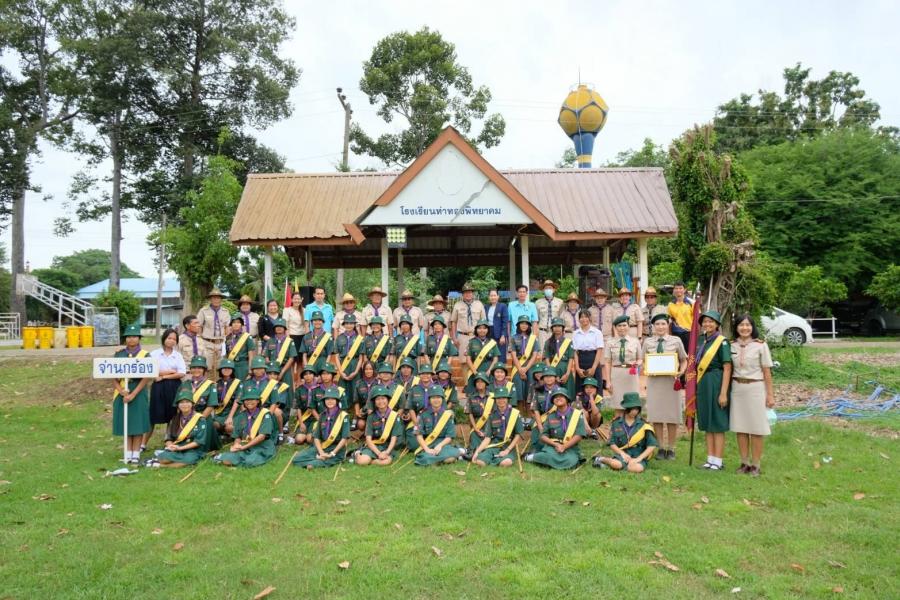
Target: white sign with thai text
column 125, row 368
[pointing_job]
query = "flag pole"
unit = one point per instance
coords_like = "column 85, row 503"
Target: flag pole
column 124, row 428
column 691, row 373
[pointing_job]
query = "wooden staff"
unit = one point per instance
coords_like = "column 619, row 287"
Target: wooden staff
column 519, row 460
column 194, row 470
column 336, row 471
column 400, row 468
column 284, row 470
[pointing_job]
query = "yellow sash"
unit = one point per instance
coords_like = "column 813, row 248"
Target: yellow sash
column 448, row 392
column 440, row 352
column 350, row 356
column 284, row 348
column 198, row 393
column 124, row 382
column 442, row 422
column 395, row 397
column 708, row 354
column 237, row 347
column 520, row 362
column 335, row 430
column 573, row 424
column 228, row 394
column 319, row 348
column 267, row 391
column 388, row 428
column 510, row 427
column 406, row 350
column 561, row 352
column 379, row 348
column 283, row 388
column 188, row 428
column 484, row 352
column 488, row 407
column 548, row 413
column 254, row 430
column 638, row 436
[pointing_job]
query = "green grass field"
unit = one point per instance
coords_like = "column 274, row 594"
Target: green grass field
column 821, row 522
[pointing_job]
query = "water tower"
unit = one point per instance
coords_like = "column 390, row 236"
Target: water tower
column 582, row 116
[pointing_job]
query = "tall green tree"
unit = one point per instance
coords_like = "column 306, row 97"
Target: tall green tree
column 807, row 108
column 832, row 201
column 38, row 100
column 885, row 287
column 416, row 76
column 89, row 266
column 648, row 155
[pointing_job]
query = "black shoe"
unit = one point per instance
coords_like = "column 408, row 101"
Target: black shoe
column 670, row 455
column 661, row 455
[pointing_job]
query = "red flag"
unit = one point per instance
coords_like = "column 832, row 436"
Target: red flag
column 690, row 390
column 288, row 292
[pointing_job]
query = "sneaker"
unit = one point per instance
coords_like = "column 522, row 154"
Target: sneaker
column 670, row 454
column 463, row 452
column 753, row 471
column 716, row 467
column 529, row 457
column 598, row 463
column 290, row 441
column 707, row 465
column 280, row 438
column 661, row 455
column 143, row 448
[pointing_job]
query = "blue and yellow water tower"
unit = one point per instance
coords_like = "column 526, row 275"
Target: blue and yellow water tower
column 582, row 116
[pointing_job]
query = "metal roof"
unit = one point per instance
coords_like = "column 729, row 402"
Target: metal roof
column 143, row 287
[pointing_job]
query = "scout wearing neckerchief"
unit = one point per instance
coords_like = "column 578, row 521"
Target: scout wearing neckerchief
column 562, row 432
column 304, row 402
column 255, row 432
column 378, row 346
column 280, row 350
column 228, row 390
column 383, row 431
column 330, row 435
column 435, row 429
column 631, row 440
column 503, row 431
column 239, row 347
column 187, row 436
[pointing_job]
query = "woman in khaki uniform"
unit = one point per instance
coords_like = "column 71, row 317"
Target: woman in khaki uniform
column 664, row 406
column 623, row 355
column 634, row 313
column 751, row 393
column 569, row 314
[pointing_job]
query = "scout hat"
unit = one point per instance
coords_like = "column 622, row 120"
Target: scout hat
column 215, row 292
column 315, row 316
column 523, row 319
column 573, row 297
column 590, row 381
column 184, row 394
column 236, row 317
column 385, row 368
column 438, row 319
column 435, row 390
column 376, row 320
column 620, row 319
column 712, row 314
column 408, row 362
column 273, row 368
column 549, row 283
column 332, row 393
column 438, row 299
column 624, row 290
column 280, row 323
column 443, row 367
column 502, row 393
column 348, row 297
column 467, row 287
column 251, row 393
column 376, row 290
column 600, row 292
column 406, row 294
column 651, row 291
column 351, row 318
column 258, row 362
column 226, row 363
column 380, row 390
column 307, row 369
column 483, row 322
column 557, row 322
column 480, row 376
column 405, row 319
column 501, row 365
column 426, row 368
column 328, row 368
column 631, row 400
column 133, row 330
column 561, row 392
column 550, row 371
column 245, row 299
column 659, row 317
column 538, row 369
column 198, row 361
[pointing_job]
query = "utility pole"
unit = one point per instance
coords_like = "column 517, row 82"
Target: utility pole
column 159, row 283
column 345, row 166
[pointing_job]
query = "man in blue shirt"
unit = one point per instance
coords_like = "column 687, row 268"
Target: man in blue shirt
column 319, row 305
column 522, row 306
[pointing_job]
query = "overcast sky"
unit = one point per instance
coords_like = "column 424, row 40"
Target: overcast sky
column 661, row 66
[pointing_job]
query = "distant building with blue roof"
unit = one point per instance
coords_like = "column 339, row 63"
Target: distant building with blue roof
column 145, row 289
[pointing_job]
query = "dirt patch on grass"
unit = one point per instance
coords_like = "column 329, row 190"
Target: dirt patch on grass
column 880, row 431
column 887, row 360
column 795, row 395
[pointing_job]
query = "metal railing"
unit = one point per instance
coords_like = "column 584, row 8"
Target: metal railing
column 67, row 306
column 10, row 326
column 832, row 333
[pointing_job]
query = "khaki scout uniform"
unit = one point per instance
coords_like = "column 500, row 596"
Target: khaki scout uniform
column 602, row 318
column 416, row 316
column 547, row 311
column 213, row 332
column 383, row 311
column 466, row 316
column 186, row 347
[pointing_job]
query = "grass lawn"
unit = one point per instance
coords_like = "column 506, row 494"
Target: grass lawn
column 821, row 522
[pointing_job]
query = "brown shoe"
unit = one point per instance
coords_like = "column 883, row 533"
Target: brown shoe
column 754, row 471
column 744, row 468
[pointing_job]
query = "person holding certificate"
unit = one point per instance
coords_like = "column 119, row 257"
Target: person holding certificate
column 623, row 354
column 665, row 363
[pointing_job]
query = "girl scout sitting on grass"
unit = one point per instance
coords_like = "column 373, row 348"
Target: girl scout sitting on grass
column 435, row 429
column 203, row 390
column 562, row 433
column 630, row 438
column 274, row 397
column 475, row 405
column 383, row 431
column 228, row 389
column 503, row 431
column 187, row 436
column 589, row 402
column 330, row 436
column 416, row 402
column 255, row 435
column 304, row 401
column 543, row 405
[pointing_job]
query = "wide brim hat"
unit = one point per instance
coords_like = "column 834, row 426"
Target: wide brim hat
column 631, row 400
column 308, row 368
column 483, row 323
column 198, row 361
column 245, row 299
column 405, row 319
column 624, row 290
column 573, row 297
column 332, row 393
column 376, row 321
column 279, row 323
column 251, row 393
column 236, row 317
column 548, row 371
column 712, row 314
column 316, row 315
column 438, row 319
column 385, row 368
column 408, row 362
column 426, row 368
column 480, row 376
column 380, row 390
column 226, row 363
column 351, row 318
column 438, row 298
column 376, row 290
column 328, row 368
column 523, row 319
column 537, row 369
column 549, row 283
column 133, row 330
column 215, row 292
column 183, row 395
column 258, row 362
column 601, row 292
column 347, row 297
column 467, row 287
column 443, row 366
column 407, row 294
column 435, row 390
column 501, row 365
column 590, row 381
column 557, row 322
column 502, row 393
column 659, row 317
column 561, row 392
column 620, row 319
column 650, row 291
column 273, row 368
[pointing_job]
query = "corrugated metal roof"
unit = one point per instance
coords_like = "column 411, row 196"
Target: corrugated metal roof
column 607, row 202
column 141, row 286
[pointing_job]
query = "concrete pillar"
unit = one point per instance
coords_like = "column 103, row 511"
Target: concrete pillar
column 384, row 266
column 644, row 268
column 338, row 285
column 526, row 273
column 399, row 275
column 267, row 275
column 512, row 267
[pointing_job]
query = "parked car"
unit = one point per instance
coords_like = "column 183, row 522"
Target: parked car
column 792, row 328
column 879, row 321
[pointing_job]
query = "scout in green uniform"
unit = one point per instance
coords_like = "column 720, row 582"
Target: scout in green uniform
column 275, row 397
column 281, row 351
column 228, row 389
column 630, row 438
column 203, row 389
column 406, row 374
column 589, row 402
column 383, row 431
column 255, row 433
column 500, row 379
column 406, row 343
column 317, row 345
column 330, row 436
column 535, row 392
column 475, row 405
column 503, row 431
column 367, row 380
column 304, row 402
column 482, row 353
column 136, row 392
column 416, row 402
column 562, row 433
column 326, row 382
column 438, row 345
column 257, row 378
column 350, row 349
column 444, row 379
column 525, row 352
column 435, row 429
column 379, row 347
column 558, row 352
column 542, row 405
column 713, row 377
column 239, row 347
column 187, row 436
column 396, row 400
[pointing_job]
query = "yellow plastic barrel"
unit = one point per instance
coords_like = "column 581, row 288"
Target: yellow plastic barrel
column 29, row 337
column 59, row 338
column 87, row 336
column 45, row 338
column 73, row 335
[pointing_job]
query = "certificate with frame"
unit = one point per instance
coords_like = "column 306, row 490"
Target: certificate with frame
column 658, row 364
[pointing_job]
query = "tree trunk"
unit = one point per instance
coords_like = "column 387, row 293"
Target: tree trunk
column 116, row 213
column 17, row 252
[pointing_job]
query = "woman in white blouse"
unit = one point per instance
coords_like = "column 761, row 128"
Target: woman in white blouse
column 296, row 325
column 587, row 341
column 162, row 394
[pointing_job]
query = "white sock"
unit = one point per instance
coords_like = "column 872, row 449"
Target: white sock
column 717, row 461
column 710, row 459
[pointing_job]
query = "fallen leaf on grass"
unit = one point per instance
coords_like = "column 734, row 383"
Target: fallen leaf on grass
column 722, row 573
column 178, row 546
column 462, row 533
column 157, row 531
column 484, row 474
column 105, row 506
column 60, row 447
column 697, row 506
column 585, row 503
column 604, row 484
column 264, row 593
column 447, row 536
column 666, row 478
column 735, row 590
column 704, row 499
column 398, row 526
column 858, row 496
column 838, row 589
column 437, row 552
column 343, row 502
column 798, row 568
column 817, row 465
column 460, row 473
column 44, row 497
column 4, row 482
column 884, row 456
column 344, row 565
column 836, row 564
column 276, row 500
column 663, row 562
column 62, row 532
